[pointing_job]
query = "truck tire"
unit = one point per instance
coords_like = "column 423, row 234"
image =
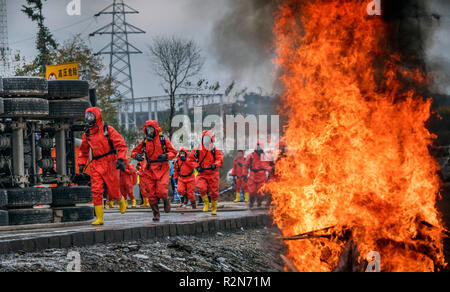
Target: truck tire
column 3, row 198
column 68, row 109
column 30, row 216
column 70, row 196
column 67, row 89
column 25, row 107
column 29, row 197
column 73, row 214
column 23, row 86
column 1, row 106
column 4, row 219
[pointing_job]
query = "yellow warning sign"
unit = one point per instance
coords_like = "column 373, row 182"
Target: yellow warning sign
column 63, row 71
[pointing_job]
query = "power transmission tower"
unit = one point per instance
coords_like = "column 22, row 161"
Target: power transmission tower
column 120, row 50
column 5, row 54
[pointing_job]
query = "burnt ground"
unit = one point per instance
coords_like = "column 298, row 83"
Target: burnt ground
column 444, row 208
column 242, row 251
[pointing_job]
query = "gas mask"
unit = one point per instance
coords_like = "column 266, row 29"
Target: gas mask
column 207, row 141
column 150, row 133
column 90, row 119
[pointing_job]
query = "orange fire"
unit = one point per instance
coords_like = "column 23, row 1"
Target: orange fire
column 359, row 146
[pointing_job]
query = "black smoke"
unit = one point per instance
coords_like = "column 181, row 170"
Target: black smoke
column 243, row 40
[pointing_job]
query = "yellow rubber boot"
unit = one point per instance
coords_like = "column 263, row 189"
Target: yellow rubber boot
column 106, row 204
column 145, row 203
column 206, row 204
column 99, row 213
column 123, row 205
column 214, row 208
column 133, row 204
column 247, row 197
column 238, row 198
column 111, row 204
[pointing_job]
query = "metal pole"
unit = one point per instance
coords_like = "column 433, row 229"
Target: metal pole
column 18, row 153
column 127, row 121
column 61, row 163
column 149, row 108
column 156, row 110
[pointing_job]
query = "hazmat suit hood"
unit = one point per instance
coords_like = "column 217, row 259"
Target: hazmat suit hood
column 183, row 149
column 260, row 144
column 211, row 135
column 155, row 125
column 98, row 115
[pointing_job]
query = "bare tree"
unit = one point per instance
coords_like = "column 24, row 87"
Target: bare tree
column 174, row 60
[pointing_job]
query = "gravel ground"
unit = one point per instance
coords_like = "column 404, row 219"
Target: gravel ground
column 243, row 251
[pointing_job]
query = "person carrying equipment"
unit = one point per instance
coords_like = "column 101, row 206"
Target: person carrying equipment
column 128, row 179
column 109, row 155
column 240, row 177
column 209, row 159
column 259, row 169
column 184, row 172
column 157, row 151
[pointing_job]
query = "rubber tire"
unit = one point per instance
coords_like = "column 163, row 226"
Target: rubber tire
column 24, row 86
column 3, row 198
column 2, row 109
column 25, row 107
column 74, row 214
column 69, row 196
column 29, row 197
column 67, row 89
column 4, row 218
column 30, row 216
column 68, row 109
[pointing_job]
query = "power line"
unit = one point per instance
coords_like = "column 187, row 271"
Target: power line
column 55, row 30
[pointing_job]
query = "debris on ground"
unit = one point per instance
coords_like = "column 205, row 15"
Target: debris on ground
column 242, row 251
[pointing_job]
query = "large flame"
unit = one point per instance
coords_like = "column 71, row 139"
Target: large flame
column 359, row 146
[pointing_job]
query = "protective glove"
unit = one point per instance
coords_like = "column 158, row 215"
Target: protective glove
column 200, row 170
column 81, row 168
column 140, row 157
column 213, row 167
column 183, row 158
column 120, row 164
column 162, row 157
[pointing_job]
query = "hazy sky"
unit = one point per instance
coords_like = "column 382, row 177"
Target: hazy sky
column 188, row 18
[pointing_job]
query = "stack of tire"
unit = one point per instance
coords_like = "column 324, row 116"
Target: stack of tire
column 68, row 99
column 33, row 97
column 4, row 220
column 65, row 204
column 23, row 97
column 22, row 206
column 45, row 205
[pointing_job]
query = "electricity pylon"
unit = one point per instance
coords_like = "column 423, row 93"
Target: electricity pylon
column 5, row 54
column 120, row 50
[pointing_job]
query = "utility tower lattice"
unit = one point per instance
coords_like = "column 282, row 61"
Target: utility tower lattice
column 120, row 50
column 5, row 66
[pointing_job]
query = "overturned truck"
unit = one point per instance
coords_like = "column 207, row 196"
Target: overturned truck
column 39, row 120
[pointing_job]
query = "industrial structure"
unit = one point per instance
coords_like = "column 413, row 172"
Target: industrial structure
column 120, row 51
column 5, row 53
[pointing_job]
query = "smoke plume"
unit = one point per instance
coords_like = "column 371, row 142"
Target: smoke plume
column 242, row 39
